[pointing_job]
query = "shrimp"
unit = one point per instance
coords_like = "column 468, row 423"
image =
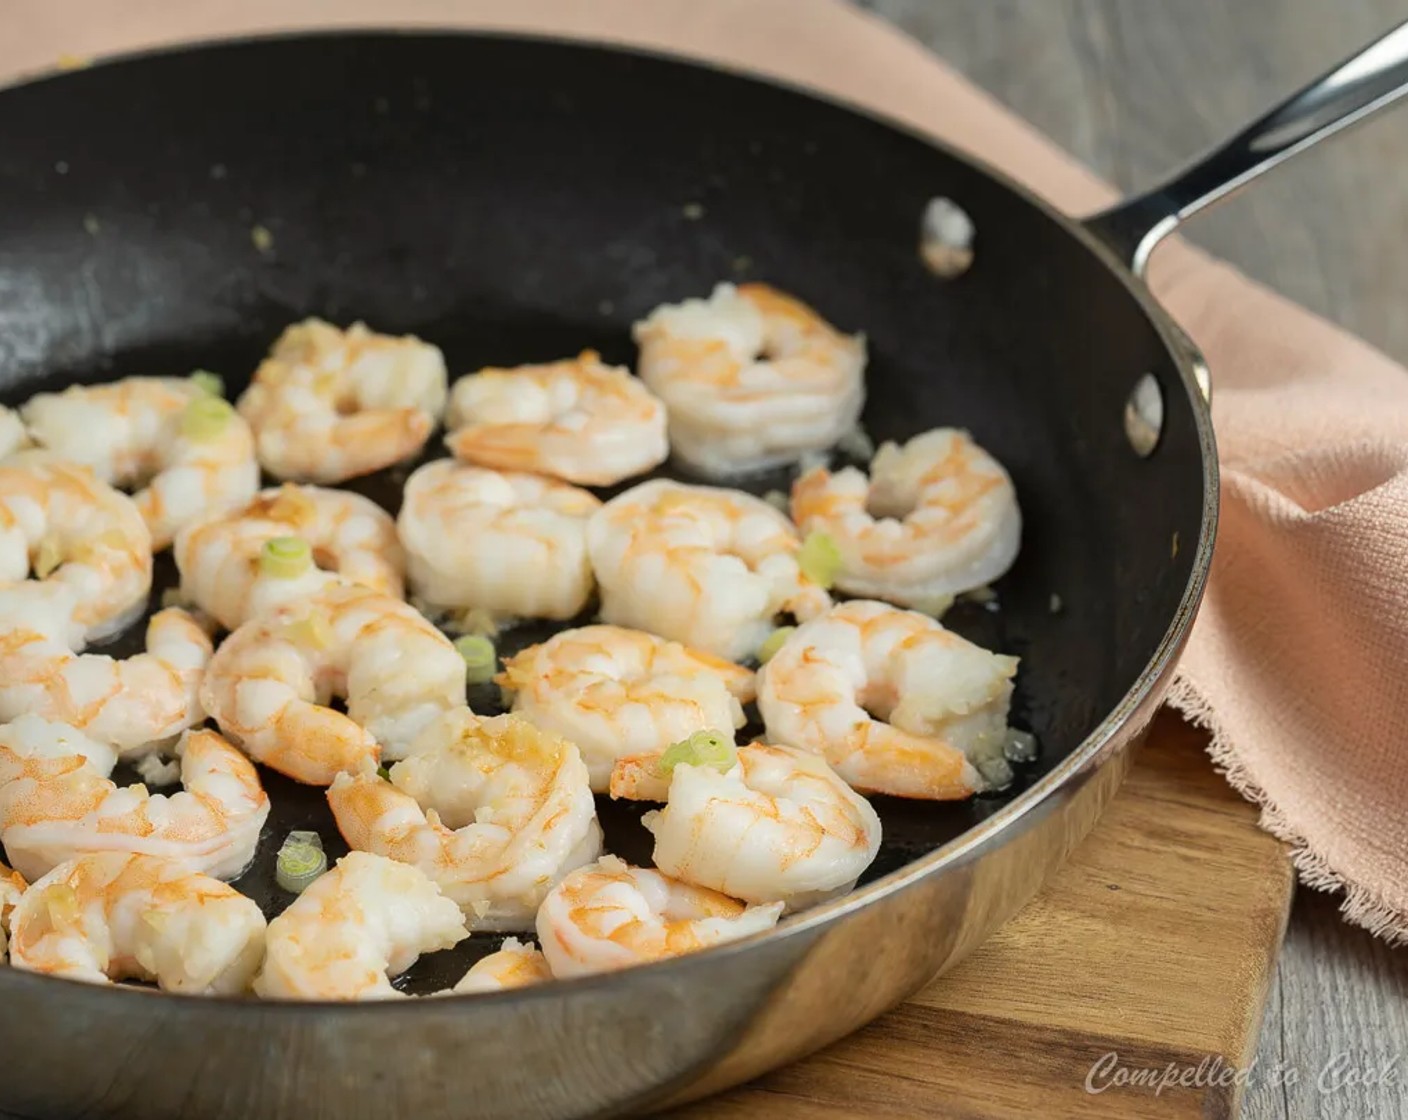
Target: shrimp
column 89, row 548
column 13, row 436
column 896, row 703
column 936, row 517
column 617, row 692
column 270, row 682
column 187, row 452
column 57, row 802
column 350, row 539
column 494, row 810
column 514, row 965
column 12, row 886
column 119, row 916
column 752, row 378
column 327, row 405
column 578, row 420
column 137, row 704
column 610, row 915
column 346, row 935
column 707, row 567
column 779, row 825
column 512, row 545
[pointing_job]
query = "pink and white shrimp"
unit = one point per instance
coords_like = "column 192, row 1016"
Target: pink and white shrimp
column 271, row 681
column 610, row 915
column 185, row 451
column 328, row 405
column 579, row 420
column 118, row 916
column 752, row 378
column 136, row 704
column 57, row 802
column 936, row 517
column 892, row 700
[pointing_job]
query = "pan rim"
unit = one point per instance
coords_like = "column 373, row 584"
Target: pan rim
column 1146, row 689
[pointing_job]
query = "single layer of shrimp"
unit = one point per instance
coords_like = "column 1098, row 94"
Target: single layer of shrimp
column 494, row 810
column 936, row 517
column 137, row 704
column 118, row 916
column 270, row 682
column 57, row 802
column 348, row 539
column 507, row 544
column 708, row 567
column 13, row 436
column 184, row 450
column 88, row 547
column 617, row 692
column 514, row 965
column 896, row 703
column 778, row 825
column 752, row 378
column 579, row 420
column 12, row 886
column 327, row 405
column 610, row 915
column 346, row 935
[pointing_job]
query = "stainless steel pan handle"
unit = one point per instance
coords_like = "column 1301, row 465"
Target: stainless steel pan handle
column 1363, row 83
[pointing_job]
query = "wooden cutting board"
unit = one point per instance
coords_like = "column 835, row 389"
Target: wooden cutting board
column 1155, row 943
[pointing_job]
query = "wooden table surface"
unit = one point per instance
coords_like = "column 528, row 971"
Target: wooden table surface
column 1134, row 89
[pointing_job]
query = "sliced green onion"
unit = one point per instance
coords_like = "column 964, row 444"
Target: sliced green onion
column 211, row 384
column 61, row 904
column 383, row 773
column 481, row 659
column 47, row 557
column 301, row 860
column 820, row 559
column 285, row 557
column 703, row 748
column 205, row 418
column 773, row 643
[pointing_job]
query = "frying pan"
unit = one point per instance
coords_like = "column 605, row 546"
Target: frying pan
column 517, row 199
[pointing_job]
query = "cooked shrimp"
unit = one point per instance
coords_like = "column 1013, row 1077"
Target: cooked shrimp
column 752, row 378
column 349, row 539
column 346, row 935
column 494, row 810
column 778, row 825
column 708, row 567
column 514, row 965
column 89, row 549
column 611, row 915
column 936, row 517
column 136, row 704
column 617, row 692
column 13, row 436
column 12, row 886
column 119, row 916
column 270, row 682
column 185, row 451
column 578, row 420
column 56, row 802
column 511, row 545
column 327, row 405
column 896, row 703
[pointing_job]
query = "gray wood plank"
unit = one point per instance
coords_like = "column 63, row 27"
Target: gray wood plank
column 1134, row 89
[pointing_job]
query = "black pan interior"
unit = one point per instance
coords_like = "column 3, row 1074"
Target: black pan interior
column 518, row 200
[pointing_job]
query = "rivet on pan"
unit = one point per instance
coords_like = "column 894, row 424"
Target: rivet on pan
column 1144, row 416
column 946, row 238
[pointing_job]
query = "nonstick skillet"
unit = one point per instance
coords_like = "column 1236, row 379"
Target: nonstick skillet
column 517, row 199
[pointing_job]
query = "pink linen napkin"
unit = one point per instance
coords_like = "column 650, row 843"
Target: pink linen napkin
column 1296, row 666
